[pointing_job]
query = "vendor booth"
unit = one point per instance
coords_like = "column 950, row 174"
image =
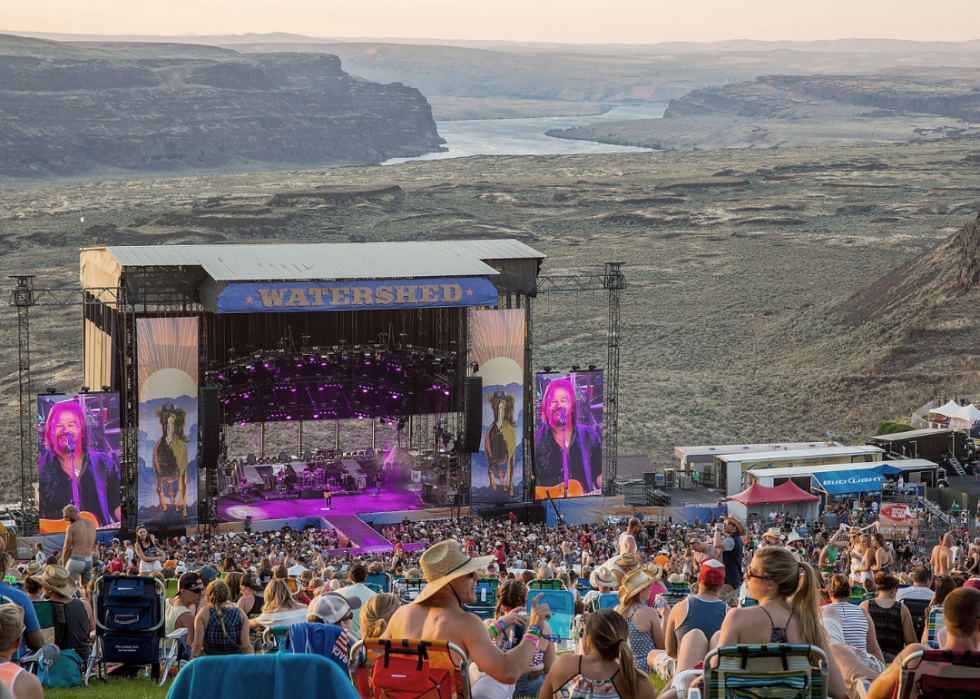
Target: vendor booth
column 852, row 483
column 758, row 500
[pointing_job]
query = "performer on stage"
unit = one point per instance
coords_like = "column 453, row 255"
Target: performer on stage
column 568, row 455
column 72, row 473
column 377, row 481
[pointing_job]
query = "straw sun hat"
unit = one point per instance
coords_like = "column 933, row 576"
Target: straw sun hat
column 56, row 578
column 443, row 563
column 636, row 582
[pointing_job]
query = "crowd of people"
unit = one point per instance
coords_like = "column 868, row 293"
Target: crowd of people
column 865, row 600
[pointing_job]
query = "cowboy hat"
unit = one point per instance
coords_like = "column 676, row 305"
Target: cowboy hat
column 774, row 532
column 635, row 583
column 655, row 571
column 793, row 536
column 675, row 578
column 601, row 577
column 56, row 578
column 443, row 563
column 736, row 522
column 32, row 568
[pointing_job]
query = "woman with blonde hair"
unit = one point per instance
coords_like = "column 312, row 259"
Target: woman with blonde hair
column 861, row 557
column 280, row 608
column 234, row 582
column 788, row 593
column 606, row 667
column 646, row 624
column 376, row 612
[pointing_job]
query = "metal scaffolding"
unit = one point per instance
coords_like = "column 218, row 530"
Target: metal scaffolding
column 612, row 280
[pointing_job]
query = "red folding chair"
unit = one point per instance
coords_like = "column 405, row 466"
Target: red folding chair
column 409, row 669
column 940, row 674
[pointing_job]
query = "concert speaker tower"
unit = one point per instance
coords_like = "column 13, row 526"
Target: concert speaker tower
column 210, row 428
column 473, row 414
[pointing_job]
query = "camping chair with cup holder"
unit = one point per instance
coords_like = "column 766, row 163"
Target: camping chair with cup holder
column 409, row 669
column 130, row 627
column 546, row 584
column 770, row 671
column 409, row 588
column 381, row 579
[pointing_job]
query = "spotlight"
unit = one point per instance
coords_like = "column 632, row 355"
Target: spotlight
column 231, row 352
column 84, row 389
column 475, row 367
column 52, row 390
column 547, row 370
column 106, row 389
column 575, row 367
column 591, row 367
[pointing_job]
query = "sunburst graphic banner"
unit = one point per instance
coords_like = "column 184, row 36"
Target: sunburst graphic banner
column 497, row 346
column 168, row 409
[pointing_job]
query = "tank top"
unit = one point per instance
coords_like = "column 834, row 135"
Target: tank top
column 9, row 672
column 171, row 615
column 581, row 687
column 780, row 634
column 888, row 628
column 854, row 624
column 831, row 558
column 703, row 615
column 641, row 642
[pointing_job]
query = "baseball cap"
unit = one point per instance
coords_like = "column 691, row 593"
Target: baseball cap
column 208, row 573
column 712, row 572
column 972, row 582
column 250, row 580
column 189, row 581
column 331, row 608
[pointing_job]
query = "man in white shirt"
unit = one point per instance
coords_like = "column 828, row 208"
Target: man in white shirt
column 297, row 570
column 627, row 540
column 130, row 554
column 772, row 515
column 358, row 574
column 919, row 589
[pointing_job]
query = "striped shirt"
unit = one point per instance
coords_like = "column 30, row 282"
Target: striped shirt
column 933, row 624
column 854, row 624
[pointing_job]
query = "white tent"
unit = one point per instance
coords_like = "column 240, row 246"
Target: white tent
column 965, row 417
column 949, row 409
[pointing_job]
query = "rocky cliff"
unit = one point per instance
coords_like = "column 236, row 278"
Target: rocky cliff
column 79, row 115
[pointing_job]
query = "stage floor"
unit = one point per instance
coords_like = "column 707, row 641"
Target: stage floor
column 394, row 496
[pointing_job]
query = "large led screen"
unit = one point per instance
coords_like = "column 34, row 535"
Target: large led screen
column 497, row 346
column 168, row 383
column 78, row 458
column 568, row 434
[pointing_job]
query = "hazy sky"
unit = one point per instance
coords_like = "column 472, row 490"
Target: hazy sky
column 571, row 21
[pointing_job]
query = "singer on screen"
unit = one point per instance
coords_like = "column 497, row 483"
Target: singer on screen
column 73, row 474
column 568, row 454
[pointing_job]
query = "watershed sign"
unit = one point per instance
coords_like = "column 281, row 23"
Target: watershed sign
column 266, row 297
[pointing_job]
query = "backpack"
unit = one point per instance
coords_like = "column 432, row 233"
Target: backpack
column 66, row 672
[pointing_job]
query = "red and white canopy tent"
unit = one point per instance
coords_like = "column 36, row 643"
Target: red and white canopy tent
column 760, row 500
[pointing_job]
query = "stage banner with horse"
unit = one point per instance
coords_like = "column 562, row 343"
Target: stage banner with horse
column 168, row 409
column 497, row 346
column 568, row 434
column 78, row 459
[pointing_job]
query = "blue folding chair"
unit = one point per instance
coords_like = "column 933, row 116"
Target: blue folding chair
column 608, row 600
column 562, row 606
column 277, row 676
column 486, row 591
column 382, row 580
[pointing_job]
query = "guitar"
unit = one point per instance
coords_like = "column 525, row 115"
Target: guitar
column 575, row 490
column 60, row 526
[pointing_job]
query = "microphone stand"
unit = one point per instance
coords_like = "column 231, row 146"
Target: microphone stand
column 76, row 498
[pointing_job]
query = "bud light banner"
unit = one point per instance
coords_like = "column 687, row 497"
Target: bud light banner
column 497, row 345
column 168, row 382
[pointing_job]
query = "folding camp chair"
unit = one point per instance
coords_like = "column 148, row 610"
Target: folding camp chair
column 171, row 586
column 934, row 623
column 546, row 584
column 129, row 625
column 939, row 674
column 562, row 606
column 52, row 622
column 780, row 671
column 486, row 591
column 609, row 600
column 409, row 669
column 409, row 588
column 275, row 639
column 281, row 676
column 917, row 608
column 377, row 589
column 382, row 579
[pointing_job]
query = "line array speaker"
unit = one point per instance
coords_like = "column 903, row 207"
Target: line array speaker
column 473, row 414
column 210, row 424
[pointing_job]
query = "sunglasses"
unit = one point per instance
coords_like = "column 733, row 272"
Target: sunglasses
column 752, row 574
column 347, row 617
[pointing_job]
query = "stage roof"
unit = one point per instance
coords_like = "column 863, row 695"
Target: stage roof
column 328, row 261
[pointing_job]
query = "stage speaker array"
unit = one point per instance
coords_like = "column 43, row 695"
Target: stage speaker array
column 473, row 414
column 210, row 425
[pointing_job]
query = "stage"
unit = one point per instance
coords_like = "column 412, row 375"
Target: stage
column 393, row 497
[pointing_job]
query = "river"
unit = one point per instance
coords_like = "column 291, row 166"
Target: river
column 527, row 136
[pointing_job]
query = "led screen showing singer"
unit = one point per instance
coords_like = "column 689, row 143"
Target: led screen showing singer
column 78, row 458
column 568, row 436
